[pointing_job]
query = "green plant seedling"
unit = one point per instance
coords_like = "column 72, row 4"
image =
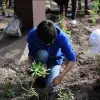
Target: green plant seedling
column 3, row 6
column 9, row 88
column 63, row 25
column 38, row 70
column 94, row 11
column 65, row 94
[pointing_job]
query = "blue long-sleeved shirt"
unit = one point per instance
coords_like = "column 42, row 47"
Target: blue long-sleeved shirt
column 60, row 49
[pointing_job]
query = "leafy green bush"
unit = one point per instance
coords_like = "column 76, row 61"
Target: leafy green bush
column 94, row 11
column 63, row 25
column 9, row 87
column 37, row 70
column 66, row 94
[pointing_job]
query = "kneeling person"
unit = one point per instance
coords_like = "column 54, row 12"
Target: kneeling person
column 48, row 44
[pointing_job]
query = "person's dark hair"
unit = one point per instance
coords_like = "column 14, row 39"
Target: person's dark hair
column 46, row 31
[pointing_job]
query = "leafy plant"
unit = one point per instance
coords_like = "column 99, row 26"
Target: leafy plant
column 30, row 90
column 37, row 70
column 3, row 6
column 9, row 88
column 65, row 94
column 63, row 25
column 94, row 11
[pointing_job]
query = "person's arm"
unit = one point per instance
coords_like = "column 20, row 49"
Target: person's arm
column 31, row 47
column 70, row 55
column 67, row 68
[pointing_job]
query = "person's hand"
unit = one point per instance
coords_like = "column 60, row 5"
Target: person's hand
column 57, row 80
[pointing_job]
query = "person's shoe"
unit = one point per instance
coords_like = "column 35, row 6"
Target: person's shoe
column 73, row 22
column 53, row 3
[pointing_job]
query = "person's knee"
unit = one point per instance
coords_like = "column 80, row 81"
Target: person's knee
column 42, row 56
column 55, row 69
column 54, row 72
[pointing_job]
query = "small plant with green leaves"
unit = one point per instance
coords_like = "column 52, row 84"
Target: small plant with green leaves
column 94, row 11
column 3, row 6
column 37, row 70
column 9, row 88
column 63, row 25
column 66, row 94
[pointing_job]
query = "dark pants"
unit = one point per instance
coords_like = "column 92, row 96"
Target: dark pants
column 86, row 5
column 10, row 2
column 65, row 4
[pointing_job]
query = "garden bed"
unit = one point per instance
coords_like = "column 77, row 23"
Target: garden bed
column 83, row 80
